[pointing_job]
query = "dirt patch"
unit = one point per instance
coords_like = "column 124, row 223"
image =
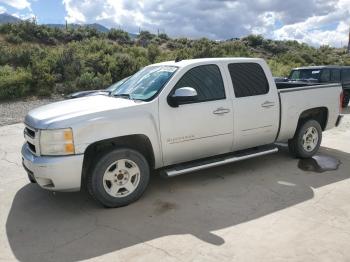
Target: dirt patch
column 164, row 206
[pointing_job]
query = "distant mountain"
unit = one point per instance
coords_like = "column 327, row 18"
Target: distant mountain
column 6, row 18
column 98, row 27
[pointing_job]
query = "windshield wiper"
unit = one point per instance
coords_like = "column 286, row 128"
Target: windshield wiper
column 127, row 96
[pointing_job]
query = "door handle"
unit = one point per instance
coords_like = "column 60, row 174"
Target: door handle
column 221, row 111
column 267, row 104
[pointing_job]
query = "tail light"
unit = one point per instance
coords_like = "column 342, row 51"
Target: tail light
column 341, row 98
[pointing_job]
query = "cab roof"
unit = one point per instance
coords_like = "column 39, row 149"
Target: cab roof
column 183, row 63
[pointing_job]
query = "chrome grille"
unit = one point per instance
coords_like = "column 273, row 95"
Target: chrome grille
column 29, row 132
column 32, row 139
column 31, row 147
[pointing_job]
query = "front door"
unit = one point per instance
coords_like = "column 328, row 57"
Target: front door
column 198, row 129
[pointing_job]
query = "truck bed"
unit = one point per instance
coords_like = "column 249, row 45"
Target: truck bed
column 294, row 101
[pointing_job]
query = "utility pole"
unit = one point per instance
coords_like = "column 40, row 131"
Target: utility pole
column 349, row 42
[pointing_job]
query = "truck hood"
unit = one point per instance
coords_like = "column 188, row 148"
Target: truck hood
column 42, row 117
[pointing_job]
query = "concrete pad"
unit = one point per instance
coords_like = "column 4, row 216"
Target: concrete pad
column 263, row 209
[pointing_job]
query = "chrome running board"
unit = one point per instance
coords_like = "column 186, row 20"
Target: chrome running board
column 200, row 165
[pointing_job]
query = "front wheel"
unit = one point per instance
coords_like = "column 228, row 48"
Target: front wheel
column 119, row 178
column 306, row 140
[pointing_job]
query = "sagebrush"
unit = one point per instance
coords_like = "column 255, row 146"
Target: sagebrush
column 37, row 60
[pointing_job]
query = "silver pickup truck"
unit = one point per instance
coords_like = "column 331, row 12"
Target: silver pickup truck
column 176, row 117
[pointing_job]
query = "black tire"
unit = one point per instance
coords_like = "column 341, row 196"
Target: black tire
column 96, row 184
column 295, row 145
column 346, row 100
column 31, row 179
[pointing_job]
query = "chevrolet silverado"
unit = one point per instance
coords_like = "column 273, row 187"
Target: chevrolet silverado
column 176, row 117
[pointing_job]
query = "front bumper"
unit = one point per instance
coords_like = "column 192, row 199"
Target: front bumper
column 339, row 119
column 56, row 173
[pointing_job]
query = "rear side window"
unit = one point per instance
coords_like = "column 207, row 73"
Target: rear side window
column 248, row 79
column 346, row 75
column 325, row 75
column 207, row 81
column 335, row 75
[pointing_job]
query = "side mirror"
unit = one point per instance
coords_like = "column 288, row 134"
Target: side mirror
column 183, row 95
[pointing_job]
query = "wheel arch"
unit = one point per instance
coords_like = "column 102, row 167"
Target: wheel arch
column 138, row 142
column 320, row 114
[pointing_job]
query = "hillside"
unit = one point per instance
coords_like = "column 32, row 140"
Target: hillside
column 98, row 27
column 6, row 18
column 42, row 60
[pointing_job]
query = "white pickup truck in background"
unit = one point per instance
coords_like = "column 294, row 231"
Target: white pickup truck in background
column 178, row 117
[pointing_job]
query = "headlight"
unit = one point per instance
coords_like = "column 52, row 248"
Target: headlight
column 56, row 142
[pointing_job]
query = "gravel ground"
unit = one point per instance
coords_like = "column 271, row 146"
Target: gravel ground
column 14, row 112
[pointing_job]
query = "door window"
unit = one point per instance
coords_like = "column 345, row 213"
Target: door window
column 325, row 75
column 207, row 81
column 346, row 75
column 335, row 75
column 248, row 79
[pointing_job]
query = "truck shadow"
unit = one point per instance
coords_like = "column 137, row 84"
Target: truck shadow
column 70, row 226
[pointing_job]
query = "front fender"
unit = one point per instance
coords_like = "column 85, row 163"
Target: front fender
column 132, row 121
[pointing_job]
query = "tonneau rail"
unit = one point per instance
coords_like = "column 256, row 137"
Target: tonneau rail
column 286, row 90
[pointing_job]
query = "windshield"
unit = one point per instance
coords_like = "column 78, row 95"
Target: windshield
column 116, row 85
column 305, row 74
column 145, row 83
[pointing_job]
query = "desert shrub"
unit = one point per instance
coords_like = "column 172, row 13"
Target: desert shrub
column 254, row 40
column 34, row 59
column 14, row 39
column 14, row 82
column 43, row 81
column 119, row 36
column 122, row 65
column 281, row 69
column 153, row 51
column 90, row 81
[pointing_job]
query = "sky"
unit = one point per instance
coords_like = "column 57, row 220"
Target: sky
column 316, row 22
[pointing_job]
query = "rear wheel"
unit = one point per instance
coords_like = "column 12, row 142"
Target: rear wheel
column 306, row 140
column 119, row 178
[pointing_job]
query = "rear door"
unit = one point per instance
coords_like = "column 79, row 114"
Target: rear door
column 255, row 105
